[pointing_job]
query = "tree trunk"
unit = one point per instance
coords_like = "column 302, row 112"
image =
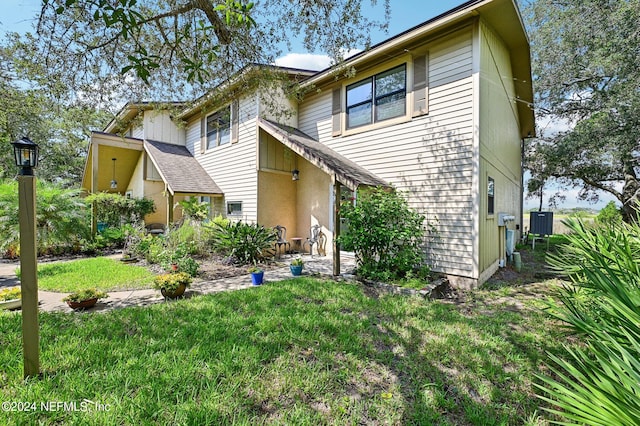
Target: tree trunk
column 630, row 198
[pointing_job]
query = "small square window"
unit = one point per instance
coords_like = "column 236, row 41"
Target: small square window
column 234, row 208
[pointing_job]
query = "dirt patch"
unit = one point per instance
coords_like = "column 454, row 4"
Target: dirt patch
column 217, row 267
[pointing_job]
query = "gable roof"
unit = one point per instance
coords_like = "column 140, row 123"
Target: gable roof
column 502, row 16
column 179, row 169
column 346, row 171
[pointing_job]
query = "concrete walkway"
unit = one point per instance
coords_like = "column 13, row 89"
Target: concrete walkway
column 52, row 302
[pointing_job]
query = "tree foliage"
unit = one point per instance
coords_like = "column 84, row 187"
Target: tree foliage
column 585, row 62
column 106, row 48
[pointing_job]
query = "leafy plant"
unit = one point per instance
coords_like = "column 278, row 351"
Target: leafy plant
column 385, row 234
column 180, row 257
column 598, row 383
column 297, row 262
column 194, row 209
column 610, row 214
column 254, row 270
column 244, row 243
column 10, row 293
column 116, row 209
column 61, row 218
column 172, row 281
column 87, row 294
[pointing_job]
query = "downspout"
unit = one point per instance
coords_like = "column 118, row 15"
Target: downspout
column 519, row 237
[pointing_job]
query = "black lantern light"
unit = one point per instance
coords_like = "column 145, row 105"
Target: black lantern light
column 295, row 174
column 26, row 155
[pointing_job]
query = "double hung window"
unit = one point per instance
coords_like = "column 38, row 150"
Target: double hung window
column 219, row 128
column 377, row 98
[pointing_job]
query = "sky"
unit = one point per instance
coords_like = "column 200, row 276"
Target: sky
column 20, row 15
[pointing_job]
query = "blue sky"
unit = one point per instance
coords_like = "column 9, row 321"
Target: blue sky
column 19, row 15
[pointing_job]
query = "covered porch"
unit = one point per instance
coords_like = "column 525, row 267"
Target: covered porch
column 301, row 184
column 163, row 172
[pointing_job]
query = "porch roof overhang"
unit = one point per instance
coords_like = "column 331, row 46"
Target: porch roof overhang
column 99, row 166
column 336, row 165
column 180, row 171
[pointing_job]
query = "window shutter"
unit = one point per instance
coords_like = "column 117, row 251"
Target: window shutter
column 235, row 127
column 420, row 85
column 203, row 134
column 336, row 112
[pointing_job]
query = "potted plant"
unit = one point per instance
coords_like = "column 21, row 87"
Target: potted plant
column 84, row 298
column 172, row 285
column 257, row 275
column 296, row 266
column 10, row 298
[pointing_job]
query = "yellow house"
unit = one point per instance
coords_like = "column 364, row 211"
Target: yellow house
column 439, row 111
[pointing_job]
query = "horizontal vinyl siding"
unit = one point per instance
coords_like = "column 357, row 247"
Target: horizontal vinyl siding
column 232, row 166
column 430, row 157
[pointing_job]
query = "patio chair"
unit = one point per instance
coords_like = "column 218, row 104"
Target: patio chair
column 155, row 228
column 281, row 238
column 314, row 238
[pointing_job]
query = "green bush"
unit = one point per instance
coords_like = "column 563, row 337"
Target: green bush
column 116, row 209
column 62, row 221
column 385, row 234
column 609, row 215
column 598, row 383
column 244, row 243
column 180, row 257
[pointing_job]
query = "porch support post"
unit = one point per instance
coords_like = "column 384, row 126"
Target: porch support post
column 94, row 186
column 169, row 209
column 336, row 226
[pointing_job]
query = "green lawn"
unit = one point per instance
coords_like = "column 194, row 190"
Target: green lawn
column 302, row 351
column 101, row 272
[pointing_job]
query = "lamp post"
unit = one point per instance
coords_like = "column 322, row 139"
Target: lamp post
column 26, row 156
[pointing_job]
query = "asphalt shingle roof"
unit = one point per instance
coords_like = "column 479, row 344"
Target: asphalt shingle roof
column 320, row 155
column 179, row 169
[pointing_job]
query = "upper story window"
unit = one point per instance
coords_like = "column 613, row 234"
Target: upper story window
column 219, row 128
column 377, row 98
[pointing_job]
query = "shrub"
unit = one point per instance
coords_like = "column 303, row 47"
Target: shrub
column 244, row 243
column 116, row 209
column 385, row 234
column 598, row 383
column 609, row 215
column 180, row 257
column 61, row 219
column 194, row 209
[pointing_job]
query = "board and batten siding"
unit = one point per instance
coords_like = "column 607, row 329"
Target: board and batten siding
column 232, row 166
column 430, row 157
column 500, row 144
column 158, row 126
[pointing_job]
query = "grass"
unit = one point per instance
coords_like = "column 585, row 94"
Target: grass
column 303, row 351
column 100, row 272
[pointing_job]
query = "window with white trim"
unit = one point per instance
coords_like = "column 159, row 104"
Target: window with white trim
column 377, row 98
column 218, row 128
column 234, row 208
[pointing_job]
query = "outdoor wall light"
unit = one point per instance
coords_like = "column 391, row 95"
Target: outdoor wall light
column 295, row 174
column 114, row 182
column 26, row 155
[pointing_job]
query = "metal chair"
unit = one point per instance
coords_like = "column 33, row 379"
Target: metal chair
column 281, row 238
column 314, row 237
